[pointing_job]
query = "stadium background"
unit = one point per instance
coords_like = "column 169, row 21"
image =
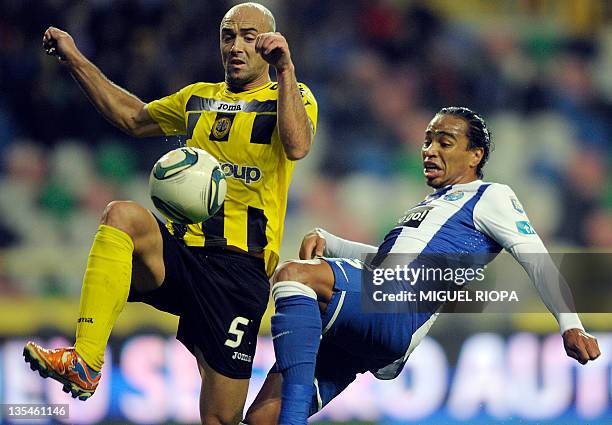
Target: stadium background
column 540, row 71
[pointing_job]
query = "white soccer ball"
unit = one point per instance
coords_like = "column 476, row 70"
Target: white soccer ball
column 187, row 185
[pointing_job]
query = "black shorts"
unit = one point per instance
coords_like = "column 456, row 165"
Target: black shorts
column 220, row 296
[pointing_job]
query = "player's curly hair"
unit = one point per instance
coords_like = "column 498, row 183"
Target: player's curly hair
column 478, row 134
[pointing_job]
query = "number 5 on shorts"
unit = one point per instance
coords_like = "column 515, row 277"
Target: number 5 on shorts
column 237, row 333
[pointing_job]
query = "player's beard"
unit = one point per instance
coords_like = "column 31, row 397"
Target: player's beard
column 239, row 79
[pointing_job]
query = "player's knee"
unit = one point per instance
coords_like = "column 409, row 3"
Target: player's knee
column 309, row 277
column 127, row 216
column 293, row 278
column 292, row 271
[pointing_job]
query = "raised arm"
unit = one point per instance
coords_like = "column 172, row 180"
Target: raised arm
column 295, row 129
column 118, row 106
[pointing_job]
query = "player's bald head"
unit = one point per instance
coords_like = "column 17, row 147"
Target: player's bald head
column 251, row 12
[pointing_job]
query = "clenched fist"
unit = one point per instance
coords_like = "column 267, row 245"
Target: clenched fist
column 60, row 44
column 273, row 47
column 313, row 245
column 580, row 345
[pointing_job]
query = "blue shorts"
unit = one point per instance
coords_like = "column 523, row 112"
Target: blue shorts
column 354, row 341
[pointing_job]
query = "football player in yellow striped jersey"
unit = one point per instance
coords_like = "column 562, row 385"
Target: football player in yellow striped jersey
column 214, row 275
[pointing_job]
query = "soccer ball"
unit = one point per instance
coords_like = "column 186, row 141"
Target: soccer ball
column 187, row 185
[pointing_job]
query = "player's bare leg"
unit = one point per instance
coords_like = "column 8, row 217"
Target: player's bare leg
column 221, row 398
column 128, row 234
column 266, row 407
column 148, row 270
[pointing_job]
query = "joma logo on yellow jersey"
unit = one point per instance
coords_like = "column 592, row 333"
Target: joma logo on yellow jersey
column 229, row 107
column 243, row 172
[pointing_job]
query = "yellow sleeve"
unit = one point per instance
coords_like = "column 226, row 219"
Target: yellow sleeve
column 310, row 103
column 169, row 112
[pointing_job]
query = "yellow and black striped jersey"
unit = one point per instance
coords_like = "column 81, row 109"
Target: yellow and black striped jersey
column 239, row 129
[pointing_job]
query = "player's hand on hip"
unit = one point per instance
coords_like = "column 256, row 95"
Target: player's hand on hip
column 580, row 345
column 60, row 44
column 313, row 245
column 273, row 47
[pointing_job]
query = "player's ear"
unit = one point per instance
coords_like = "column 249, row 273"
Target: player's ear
column 477, row 154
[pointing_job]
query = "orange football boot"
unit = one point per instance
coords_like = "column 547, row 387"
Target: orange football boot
column 65, row 366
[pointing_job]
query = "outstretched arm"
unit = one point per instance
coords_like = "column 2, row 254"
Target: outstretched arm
column 120, row 107
column 501, row 216
column 557, row 297
column 294, row 127
column 319, row 242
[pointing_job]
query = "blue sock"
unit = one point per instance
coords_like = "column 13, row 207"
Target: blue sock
column 296, row 334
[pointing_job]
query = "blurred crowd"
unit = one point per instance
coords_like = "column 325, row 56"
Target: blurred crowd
column 539, row 71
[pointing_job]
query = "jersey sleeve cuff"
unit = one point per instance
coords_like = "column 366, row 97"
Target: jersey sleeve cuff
column 569, row 321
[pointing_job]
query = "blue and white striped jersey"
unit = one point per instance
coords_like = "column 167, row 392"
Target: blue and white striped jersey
column 470, row 218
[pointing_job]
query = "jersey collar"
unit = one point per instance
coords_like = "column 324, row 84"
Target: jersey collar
column 446, row 189
column 241, row 93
